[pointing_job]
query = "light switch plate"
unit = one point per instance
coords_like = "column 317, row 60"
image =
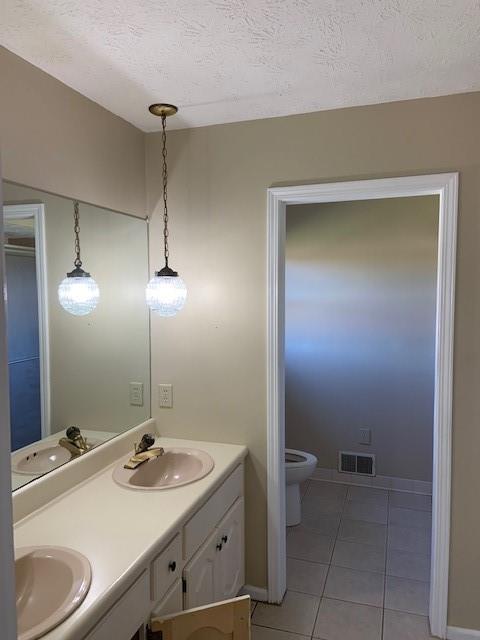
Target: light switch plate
column 136, row 394
column 165, row 397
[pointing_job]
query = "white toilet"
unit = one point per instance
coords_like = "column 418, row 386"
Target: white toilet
column 299, row 466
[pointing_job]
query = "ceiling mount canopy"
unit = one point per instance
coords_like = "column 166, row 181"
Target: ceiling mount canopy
column 163, row 109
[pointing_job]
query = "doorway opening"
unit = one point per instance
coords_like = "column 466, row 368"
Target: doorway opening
column 28, row 354
column 445, row 187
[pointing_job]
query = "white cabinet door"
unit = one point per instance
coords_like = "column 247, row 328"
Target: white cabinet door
column 230, row 618
column 200, row 575
column 172, row 602
column 230, row 561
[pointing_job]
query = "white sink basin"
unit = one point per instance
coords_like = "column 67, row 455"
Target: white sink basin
column 176, row 467
column 42, row 457
column 51, row 582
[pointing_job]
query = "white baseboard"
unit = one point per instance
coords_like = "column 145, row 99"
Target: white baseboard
column 379, row 482
column 457, row 633
column 256, row 593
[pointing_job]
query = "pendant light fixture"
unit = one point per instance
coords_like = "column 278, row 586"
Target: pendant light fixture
column 166, row 292
column 78, row 293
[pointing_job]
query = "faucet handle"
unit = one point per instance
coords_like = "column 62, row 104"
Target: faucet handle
column 72, row 433
column 145, row 443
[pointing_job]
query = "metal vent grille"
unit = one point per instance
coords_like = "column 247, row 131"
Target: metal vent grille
column 351, row 462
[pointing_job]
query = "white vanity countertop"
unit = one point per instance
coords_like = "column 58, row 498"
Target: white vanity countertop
column 118, row 528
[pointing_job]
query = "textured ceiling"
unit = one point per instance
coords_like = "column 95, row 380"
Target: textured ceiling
column 231, row 60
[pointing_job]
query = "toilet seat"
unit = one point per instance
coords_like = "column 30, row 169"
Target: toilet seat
column 297, row 459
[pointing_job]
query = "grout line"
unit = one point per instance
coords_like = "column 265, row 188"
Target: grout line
column 309, row 561
column 293, row 633
column 362, row 604
column 375, row 573
column 389, row 575
column 386, row 556
column 330, row 561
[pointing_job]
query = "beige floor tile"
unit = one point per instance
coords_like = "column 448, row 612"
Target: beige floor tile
column 366, row 511
column 325, row 505
column 359, row 556
column 362, row 587
column 408, row 565
column 405, row 626
column 338, row 620
column 410, row 596
column 330, row 490
column 263, row 633
column 367, row 494
column 407, row 500
column 296, row 614
column 409, row 539
column 306, row 577
column 410, row 518
column 305, row 544
column 324, row 523
column 363, row 532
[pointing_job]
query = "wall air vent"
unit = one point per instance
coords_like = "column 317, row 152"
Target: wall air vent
column 361, row 463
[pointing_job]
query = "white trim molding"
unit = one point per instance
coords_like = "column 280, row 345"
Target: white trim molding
column 322, row 474
column 37, row 212
column 445, row 185
column 457, row 633
column 255, row 593
column 8, row 613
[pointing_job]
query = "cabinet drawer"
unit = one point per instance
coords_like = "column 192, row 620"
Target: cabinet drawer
column 199, row 527
column 172, row 602
column 166, row 568
column 127, row 614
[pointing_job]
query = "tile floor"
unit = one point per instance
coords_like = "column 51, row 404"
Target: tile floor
column 358, row 568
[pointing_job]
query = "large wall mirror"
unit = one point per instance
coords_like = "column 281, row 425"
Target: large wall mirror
column 90, row 372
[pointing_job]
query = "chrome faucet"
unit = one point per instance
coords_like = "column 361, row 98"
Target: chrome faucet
column 144, row 452
column 74, row 442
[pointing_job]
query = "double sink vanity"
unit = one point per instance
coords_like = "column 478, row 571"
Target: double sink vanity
column 102, row 548
column 111, row 526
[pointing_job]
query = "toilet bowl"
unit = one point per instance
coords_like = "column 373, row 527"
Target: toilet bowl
column 299, row 466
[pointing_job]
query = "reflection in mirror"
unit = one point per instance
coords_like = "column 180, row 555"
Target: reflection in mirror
column 91, row 372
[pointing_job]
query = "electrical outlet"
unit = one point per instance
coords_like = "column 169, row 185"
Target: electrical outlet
column 365, row 436
column 165, row 398
column 136, row 394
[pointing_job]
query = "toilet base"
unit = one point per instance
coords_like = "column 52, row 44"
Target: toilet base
column 293, row 505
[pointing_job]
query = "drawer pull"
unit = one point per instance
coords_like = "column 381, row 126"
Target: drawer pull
column 172, row 566
column 225, row 539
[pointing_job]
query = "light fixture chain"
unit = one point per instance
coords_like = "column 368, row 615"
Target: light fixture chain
column 76, row 229
column 165, row 180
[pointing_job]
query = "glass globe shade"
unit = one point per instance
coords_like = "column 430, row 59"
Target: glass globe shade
column 166, row 295
column 78, row 295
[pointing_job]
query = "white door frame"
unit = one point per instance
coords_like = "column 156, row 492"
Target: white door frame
column 37, row 212
column 8, row 613
column 445, row 185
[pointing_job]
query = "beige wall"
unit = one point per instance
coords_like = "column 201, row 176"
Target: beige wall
column 360, row 299
column 93, row 358
column 215, row 351
column 55, row 139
